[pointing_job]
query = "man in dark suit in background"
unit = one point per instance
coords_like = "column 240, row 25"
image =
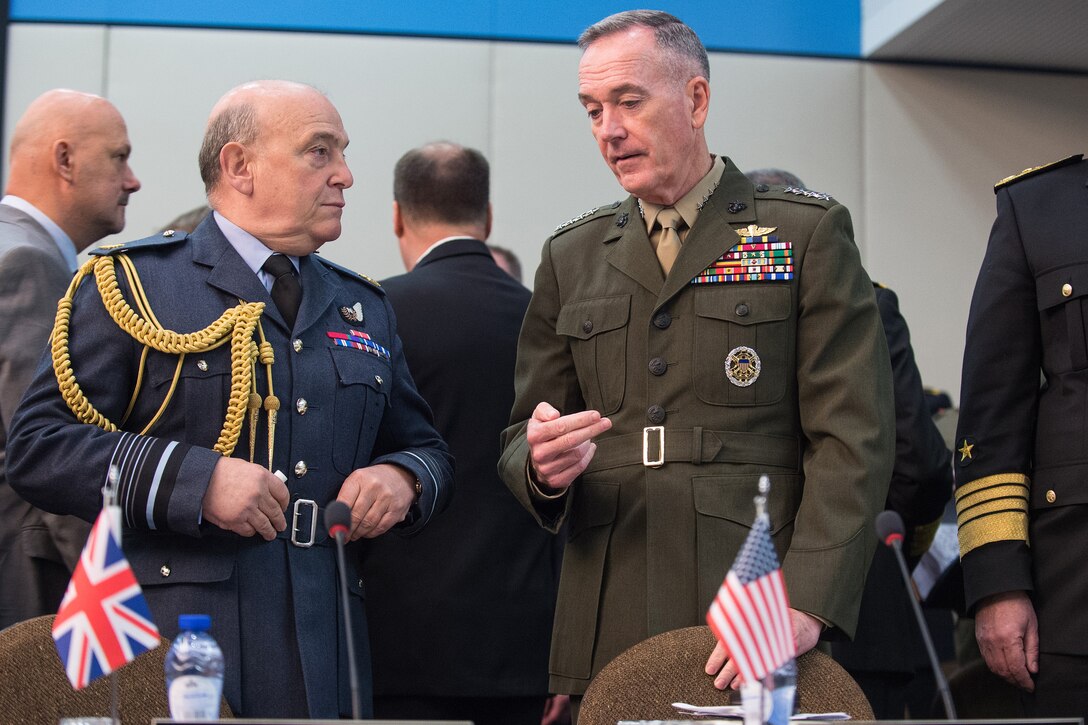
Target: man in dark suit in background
column 68, row 186
column 460, row 615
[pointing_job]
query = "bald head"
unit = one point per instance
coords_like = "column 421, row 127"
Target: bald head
column 69, row 158
column 272, row 161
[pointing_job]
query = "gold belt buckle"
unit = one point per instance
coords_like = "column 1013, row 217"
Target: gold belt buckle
column 647, row 434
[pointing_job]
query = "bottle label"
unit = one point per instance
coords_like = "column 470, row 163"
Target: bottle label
column 193, row 697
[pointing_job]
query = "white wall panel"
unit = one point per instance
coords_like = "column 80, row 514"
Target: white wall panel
column 936, row 140
column 912, row 150
column 392, row 94
column 41, row 57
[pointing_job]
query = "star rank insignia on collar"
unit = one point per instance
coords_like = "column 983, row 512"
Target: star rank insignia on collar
column 353, row 313
column 966, row 451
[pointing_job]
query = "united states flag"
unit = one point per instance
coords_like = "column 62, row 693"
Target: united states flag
column 103, row 621
column 750, row 615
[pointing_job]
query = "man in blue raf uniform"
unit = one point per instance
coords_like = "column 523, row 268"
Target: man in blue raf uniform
column 196, row 374
column 1021, row 450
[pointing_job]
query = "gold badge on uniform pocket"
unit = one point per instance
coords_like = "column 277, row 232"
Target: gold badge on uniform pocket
column 742, row 366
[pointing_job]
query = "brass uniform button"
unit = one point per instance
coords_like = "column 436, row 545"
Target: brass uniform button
column 1051, row 497
column 587, row 326
column 742, row 310
column 297, row 344
column 302, row 406
column 658, row 366
column 164, row 570
column 662, row 320
column 301, row 469
column 202, row 366
column 1067, row 289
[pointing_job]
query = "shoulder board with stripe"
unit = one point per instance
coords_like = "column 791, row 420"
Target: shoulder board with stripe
column 594, row 213
column 350, row 273
column 1036, row 170
column 159, row 240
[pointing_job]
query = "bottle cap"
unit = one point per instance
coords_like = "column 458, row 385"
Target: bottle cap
column 196, row 622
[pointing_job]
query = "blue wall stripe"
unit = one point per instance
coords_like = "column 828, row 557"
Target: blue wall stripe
column 792, row 27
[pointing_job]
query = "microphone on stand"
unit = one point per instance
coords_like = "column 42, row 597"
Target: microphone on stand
column 889, row 529
column 338, row 523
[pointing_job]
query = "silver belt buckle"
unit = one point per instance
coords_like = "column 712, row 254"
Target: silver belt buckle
column 299, row 503
column 647, row 433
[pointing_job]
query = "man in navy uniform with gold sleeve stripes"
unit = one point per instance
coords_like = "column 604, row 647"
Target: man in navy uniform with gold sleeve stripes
column 1022, row 450
column 198, row 367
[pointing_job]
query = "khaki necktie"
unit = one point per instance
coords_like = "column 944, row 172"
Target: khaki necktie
column 668, row 242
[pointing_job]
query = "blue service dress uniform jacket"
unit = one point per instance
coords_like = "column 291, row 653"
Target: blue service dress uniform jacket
column 783, row 376
column 1021, row 458
column 274, row 605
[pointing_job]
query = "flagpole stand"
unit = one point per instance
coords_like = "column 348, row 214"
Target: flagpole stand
column 750, row 617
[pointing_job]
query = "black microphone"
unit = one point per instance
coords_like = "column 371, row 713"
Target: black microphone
column 338, row 523
column 889, row 528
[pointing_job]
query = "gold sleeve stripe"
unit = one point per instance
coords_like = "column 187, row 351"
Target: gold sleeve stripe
column 992, row 508
column 996, row 505
column 922, row 537
column 969, row 507
column 998, row 478
column 998, row 526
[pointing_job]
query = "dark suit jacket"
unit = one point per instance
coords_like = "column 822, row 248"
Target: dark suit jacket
column 275, row 606
column 464, row 608
column 649, row 546
column 37, row 549
column 1022, row 448
column 887, row 637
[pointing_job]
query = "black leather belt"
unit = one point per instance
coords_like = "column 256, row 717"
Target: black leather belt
column 655, row 446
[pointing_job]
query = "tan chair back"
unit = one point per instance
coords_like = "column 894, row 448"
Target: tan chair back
column 643, row 682
column 33, row 684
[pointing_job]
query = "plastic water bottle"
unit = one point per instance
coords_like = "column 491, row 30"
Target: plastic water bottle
column 783, row 693
column 194, row 671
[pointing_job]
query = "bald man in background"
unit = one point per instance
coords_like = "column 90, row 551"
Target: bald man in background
column 68, row 187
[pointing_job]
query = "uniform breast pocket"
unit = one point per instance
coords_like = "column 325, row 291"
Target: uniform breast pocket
column 360, row 400
column 597, row 331
column 742, row 344
column 1062, row 296
column 201, row 387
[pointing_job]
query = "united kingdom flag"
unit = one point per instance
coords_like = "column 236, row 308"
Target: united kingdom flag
column 104, row 621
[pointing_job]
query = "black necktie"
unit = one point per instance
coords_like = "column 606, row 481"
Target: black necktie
column 286, row 291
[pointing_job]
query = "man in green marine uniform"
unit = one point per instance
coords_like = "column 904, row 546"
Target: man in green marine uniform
column 679, row 344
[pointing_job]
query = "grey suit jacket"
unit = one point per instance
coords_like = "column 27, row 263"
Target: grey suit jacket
column 37, row 549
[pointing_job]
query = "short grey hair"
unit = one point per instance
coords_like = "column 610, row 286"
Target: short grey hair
column 775, row 177
column 671, row 34
column 235, row 123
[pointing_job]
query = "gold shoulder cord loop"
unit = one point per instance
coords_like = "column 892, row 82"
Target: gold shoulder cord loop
column 235, row 325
